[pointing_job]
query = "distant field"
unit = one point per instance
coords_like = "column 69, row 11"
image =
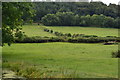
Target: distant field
column 35, row 30
column 88, row 60
column 87, row 30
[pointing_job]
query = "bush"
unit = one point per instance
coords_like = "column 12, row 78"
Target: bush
column 47, row 30
column 108, row 36
column 89, row 36
column 116, row 54
column 65, row 38
column 51, row 31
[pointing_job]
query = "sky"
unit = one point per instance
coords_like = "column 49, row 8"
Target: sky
column 104, row 1
column 109, row 1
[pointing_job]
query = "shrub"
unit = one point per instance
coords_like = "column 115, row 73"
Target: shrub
column 47, row 30
column 108, row 36
column 65, row 38
column 116, row 54
column 51, row 31
column 87, row 36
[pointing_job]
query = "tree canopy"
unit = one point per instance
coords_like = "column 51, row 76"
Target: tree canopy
column 12, row 15
column 80, row 8
column 70, row 19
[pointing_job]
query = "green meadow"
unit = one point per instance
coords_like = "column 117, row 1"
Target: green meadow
column 62, row 59
column 37, row 30
column 103, row 32
column 86, row 60
column 56, row 40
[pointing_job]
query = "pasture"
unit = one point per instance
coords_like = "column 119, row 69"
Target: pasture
column 37, row 30
column 103, row 32
column 62, row 59
column 59, row 60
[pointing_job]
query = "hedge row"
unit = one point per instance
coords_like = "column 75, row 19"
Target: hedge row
column 38, row 39
column 69, row 34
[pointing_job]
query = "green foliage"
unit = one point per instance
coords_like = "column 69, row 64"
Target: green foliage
column 67, row 38
column 70, row 19
column 50, row 19
column 80, row 14
column 60, row 18
column 98, row 20
column 12, row 13
column 79, row 8
column 109, row 22
column 85, row 20
column 116, row 54
column 66, row 18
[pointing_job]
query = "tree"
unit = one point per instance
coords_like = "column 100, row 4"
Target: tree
column 66, row 18
column 117, row 23
column 79, row 8
column 109, row 22
column 85, row 20
column 59, row 19
column 12, row 13
column 50, row 19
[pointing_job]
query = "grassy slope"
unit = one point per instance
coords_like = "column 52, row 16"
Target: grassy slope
column 87, row 30
column 35, row 30
column 88, row 60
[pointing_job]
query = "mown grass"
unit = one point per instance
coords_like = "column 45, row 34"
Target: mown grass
column 58, row 60
column 103, row 32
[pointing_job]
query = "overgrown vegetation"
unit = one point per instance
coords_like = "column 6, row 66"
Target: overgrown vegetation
column 33, row 71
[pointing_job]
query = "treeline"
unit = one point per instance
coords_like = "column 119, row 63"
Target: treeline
column 80, row 8
column 72, row 19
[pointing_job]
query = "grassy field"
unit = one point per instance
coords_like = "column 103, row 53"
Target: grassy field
column 103, row 32
column 62, row 59
column 35, row 30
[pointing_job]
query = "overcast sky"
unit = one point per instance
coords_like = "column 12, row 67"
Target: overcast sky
column 105, row 1
column 109, row 1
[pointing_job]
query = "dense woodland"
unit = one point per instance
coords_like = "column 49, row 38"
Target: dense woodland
column 95, row 14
